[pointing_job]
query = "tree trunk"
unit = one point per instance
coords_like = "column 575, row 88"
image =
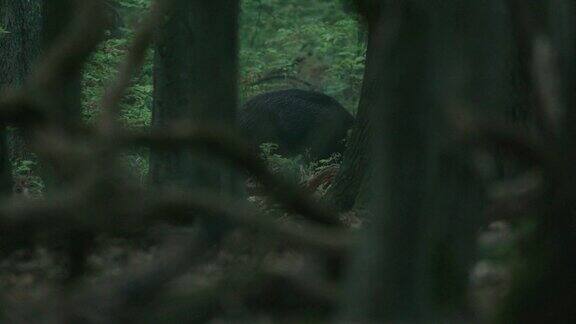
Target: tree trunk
column 20, row 47
column 544, row 285
column 424, row 59
column 20, row 42
column 195, row 80
column 57, row 15
column 349, row 187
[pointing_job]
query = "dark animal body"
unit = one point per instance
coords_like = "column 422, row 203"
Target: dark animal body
column 299, row 121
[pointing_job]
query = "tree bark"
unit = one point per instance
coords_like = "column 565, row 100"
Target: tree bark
column 20, row 47
column 20, row 43
column 57, row 15
column 349, row 187
column 544, row 286
column 195, row 80
column 424, row 59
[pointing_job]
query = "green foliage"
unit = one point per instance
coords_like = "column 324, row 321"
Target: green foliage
column 102, row 69
column 130, row 10
column 295, row 169
column 290, row 168
column 25, row 178
column 133, row 4
column 317, row 42
column 24, row 167
column 137, row 165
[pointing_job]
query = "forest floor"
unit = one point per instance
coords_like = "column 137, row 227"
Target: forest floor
column 30, row 277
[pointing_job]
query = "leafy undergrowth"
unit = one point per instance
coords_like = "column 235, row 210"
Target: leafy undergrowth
column 315, row 177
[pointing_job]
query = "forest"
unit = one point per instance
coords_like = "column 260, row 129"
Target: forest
column 287, row 161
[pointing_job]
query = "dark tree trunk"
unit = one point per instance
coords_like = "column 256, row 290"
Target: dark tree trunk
column 351, row 186
column 349, row 189
column 57, row 15
column 387, row 290
column 19, row 48
column 424, row 59
column 195, row 79
column 544, row 285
